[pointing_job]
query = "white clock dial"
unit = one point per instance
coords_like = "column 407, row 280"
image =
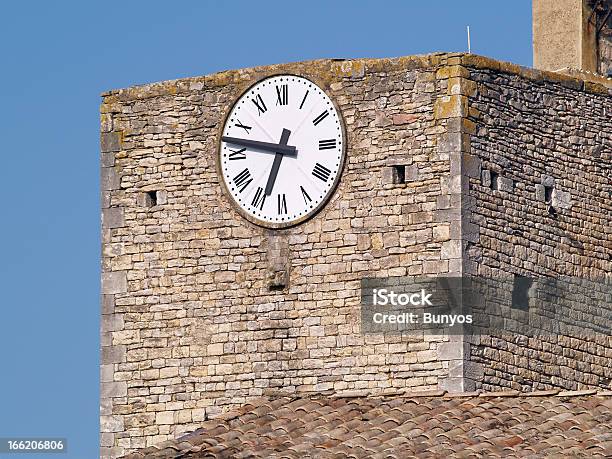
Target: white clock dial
column 282, row 150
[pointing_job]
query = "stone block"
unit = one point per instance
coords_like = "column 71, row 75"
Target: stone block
column 453, row 142
column 547, row 180
column 473, row 371
column 455, row 384
column 470, row 232
column 114, row 282
column 399, row 160
column 169, row 372
column 108, row 304
column 404, row 118
column 215, row 349
column 110, row 141
column 540, row 193
column 350, row 68
column 451, row 249
column 485, row 178
column 461, row 86
column 462, row 125
column 411, row 173
column 453, row 351
column 126, row 336
column 113, row 389
column 471, row 165
column 111, row 322
column 106, row 406
column 162, row 197
column 107, row 159
column 561, row 199
column 164, row 418
column 452, row 71
column 505, row 184
column 441, row 233
column 113, row 217
column 109, row 179
column 451, row 107
column 106, row 372
column 105, row 199
column 113, row 354
column 111, row 424
column 107, row 439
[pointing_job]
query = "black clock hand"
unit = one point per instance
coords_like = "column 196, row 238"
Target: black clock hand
column 278, row 157
column 273, row 147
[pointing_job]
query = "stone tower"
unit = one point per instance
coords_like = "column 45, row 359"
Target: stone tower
column 573, row 34
column 455, row 165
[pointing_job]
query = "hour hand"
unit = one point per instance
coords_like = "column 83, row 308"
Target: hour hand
column 268, row 146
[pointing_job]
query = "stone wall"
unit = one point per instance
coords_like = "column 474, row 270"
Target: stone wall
column 542, row 207
column 195, row 319
column 202, row 310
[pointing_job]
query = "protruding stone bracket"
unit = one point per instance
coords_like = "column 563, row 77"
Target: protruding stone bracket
column 278, row 261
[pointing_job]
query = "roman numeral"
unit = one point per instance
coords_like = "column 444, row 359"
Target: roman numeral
column 259, row 199
column 237, row 154
column 304, row 100
column 282, row 204
column 246, row 128
column 307, row 198
column 321, row 172
column 320, row 118
column 327, row 144
column 282, row 94
column 243, row 179
column 259, row 103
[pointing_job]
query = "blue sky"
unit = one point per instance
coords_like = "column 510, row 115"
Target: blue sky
column 57, row 57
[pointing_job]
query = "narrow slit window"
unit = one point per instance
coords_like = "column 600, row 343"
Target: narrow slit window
column 151, row 198
column 399, row 174
column 494, row 180
column 548, row 193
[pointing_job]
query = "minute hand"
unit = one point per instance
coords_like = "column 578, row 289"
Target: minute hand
column 273, row 147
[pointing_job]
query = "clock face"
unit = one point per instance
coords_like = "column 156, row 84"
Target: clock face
column 282, row 150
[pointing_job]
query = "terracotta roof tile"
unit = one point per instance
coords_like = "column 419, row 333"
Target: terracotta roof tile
column 503, row 424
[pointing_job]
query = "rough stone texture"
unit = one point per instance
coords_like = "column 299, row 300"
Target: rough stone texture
column 562, row 35
column 202, row 310
column 572, row 34
column 542, row 135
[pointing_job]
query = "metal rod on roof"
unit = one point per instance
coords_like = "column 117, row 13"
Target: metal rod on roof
column 469, row 44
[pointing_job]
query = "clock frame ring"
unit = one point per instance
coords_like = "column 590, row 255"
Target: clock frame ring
column 242, row 90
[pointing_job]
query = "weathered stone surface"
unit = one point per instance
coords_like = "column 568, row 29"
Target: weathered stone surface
column 113, row 354
column 201, row 330
column 539, row 146
column 108, row 304
column 561, row 199
column 110, row 141
column 113, row 389
column 451, row 107
column 111, row 423
column 112, row 217
column 114, row 282
column 505, row 184
column 109, row 179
